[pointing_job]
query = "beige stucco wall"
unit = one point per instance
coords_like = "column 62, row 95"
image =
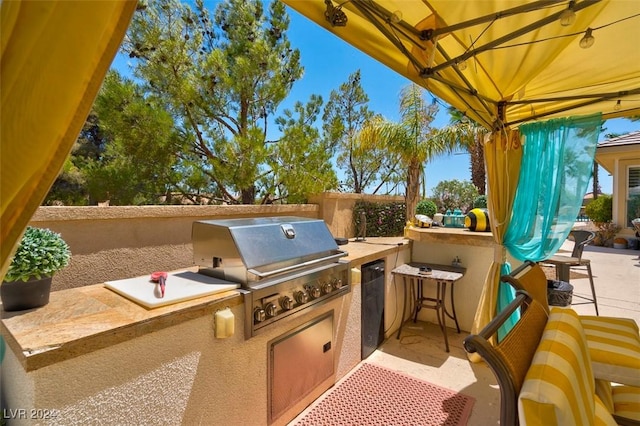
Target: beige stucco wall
column 112, row 243
column 178, row 375
column 337, row 209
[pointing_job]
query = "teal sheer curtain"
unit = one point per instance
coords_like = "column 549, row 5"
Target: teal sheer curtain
column 557, row 164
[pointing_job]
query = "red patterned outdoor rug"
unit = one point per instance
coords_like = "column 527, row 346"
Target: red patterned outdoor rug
column 375, row 395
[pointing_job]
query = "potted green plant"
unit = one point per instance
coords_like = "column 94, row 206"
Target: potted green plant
column 27, row 283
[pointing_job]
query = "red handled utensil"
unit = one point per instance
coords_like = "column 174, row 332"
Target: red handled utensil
column 161, row 278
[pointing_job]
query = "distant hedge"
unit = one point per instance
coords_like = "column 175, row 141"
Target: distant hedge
column 383, row 219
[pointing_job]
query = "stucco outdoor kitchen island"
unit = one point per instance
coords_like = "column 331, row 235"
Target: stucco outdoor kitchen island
column 92, row 356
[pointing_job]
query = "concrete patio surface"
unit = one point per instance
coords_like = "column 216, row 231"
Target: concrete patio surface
column 420, row 350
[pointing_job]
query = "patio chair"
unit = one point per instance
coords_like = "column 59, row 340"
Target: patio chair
column 523, row 379
column 614, row 343
column 564, row 264
column 636, row 225
column 511, row 357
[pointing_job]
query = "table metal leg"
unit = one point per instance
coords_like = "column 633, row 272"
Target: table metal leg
column 451, row 314
column 418, row 299
column 563, row 272
column 441, row 311
column 404, row 305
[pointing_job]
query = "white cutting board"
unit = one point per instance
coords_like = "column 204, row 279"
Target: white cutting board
column 180, row 286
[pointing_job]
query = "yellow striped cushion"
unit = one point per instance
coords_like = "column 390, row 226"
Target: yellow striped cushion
column 614, row 347
column 603, row 417
column 559, row 386
column 626, row 401
column 603, row 391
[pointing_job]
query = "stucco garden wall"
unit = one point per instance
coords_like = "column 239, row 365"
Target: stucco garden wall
column 112, row 243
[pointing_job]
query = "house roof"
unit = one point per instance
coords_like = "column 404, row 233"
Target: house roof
column 625, row 147
column 632, row 138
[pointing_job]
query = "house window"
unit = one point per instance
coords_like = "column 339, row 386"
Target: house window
column 633, row 194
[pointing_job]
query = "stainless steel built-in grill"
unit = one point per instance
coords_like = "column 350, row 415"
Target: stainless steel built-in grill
column 287, row 265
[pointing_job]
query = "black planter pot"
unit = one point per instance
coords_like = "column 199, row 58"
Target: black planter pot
column 21, row 295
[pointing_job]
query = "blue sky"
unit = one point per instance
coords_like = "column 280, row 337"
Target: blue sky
column 328, row 61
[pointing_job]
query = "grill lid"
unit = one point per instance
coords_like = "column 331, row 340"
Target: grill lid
column 254, row 248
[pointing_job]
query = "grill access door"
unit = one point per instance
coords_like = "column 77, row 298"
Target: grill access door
column 299, row 363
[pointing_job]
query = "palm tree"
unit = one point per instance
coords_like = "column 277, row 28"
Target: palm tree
column 411, row 140
column 466, row 133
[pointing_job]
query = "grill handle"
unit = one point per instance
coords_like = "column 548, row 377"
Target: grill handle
column 297, row 266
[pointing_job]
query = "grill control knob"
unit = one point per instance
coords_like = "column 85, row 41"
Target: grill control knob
column 302, row 297
column 271, row 309
column 327, row 288
column 337, row 283
column 286, row 302
column 314, row 292
column 259, row 315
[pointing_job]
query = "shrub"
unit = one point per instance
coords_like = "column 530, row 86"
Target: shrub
column 480, row 202
column 600, row 210
column 426, row 207
column 383, row 219
column 605, row 234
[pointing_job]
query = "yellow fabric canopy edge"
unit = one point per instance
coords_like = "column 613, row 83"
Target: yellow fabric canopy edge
column 55, row 55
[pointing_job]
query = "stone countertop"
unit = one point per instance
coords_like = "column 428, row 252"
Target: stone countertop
column 373, row 248
column 435, row 272
column 85, row 319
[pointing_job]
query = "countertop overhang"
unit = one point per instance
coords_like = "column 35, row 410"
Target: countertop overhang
column 444, row 235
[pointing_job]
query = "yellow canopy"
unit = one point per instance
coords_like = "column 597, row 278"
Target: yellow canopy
column 53, row 59
column 521, row 62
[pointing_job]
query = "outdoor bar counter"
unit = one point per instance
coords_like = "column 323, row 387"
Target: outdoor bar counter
column 91, row 356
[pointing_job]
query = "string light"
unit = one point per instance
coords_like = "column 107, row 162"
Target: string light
column 568, row 16
column 461, row 65
column 396, row 17
column 617, row 106
column 588, row 39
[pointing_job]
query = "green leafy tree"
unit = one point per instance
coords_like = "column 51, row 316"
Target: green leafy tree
column 344, row 116
column 136, row 164
column 70, row 187
column 455, row 194
column 222, row 76
column 301, row 164
column 411, row 140
column 467, row 134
